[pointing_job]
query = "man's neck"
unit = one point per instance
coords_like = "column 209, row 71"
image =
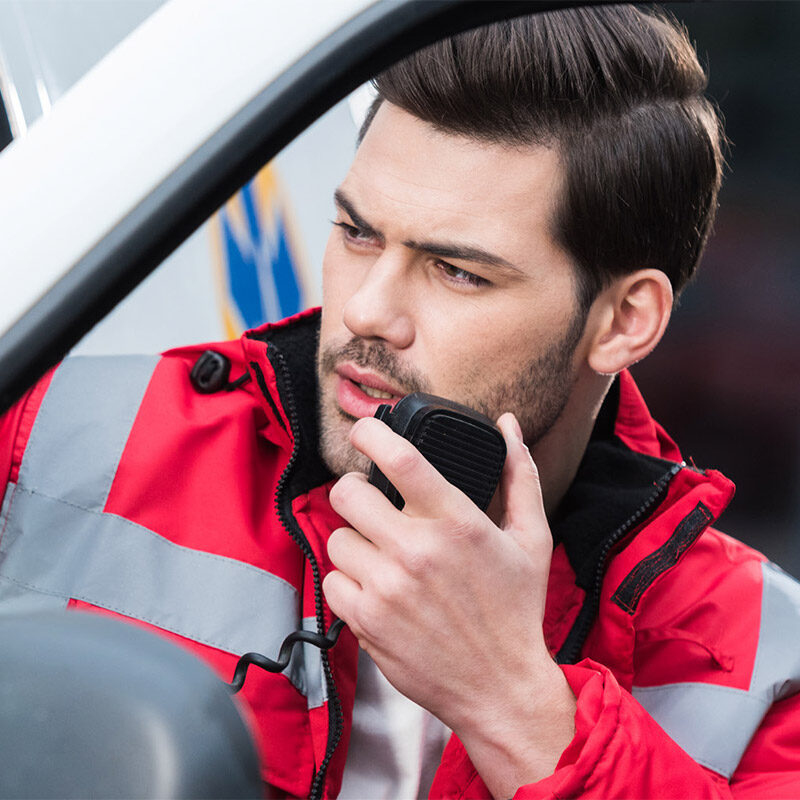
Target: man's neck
column 559, row 453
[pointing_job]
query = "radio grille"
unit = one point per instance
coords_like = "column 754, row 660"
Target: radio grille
column 469, row 456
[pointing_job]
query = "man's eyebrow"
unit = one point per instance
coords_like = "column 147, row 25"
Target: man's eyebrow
column 344, row 203
column 463, row 253
column 440, row 249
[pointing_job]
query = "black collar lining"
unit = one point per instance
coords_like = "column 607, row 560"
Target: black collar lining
column 611, row 484
column 297, row 345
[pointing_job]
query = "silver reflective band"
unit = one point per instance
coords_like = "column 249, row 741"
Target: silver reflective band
column 14, row 598
column 307, row 674
column 714, row 724
column 59, row 549
column 57, row 543
column 82, row 427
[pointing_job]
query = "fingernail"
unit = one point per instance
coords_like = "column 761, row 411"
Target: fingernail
column 517, row 429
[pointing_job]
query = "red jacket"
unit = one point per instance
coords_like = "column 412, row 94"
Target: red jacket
column 205, row 515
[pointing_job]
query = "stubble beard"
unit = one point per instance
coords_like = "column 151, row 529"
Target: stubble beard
column 537, row 394
column 337, row 452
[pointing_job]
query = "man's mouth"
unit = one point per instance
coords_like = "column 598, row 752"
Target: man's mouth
column 359, row 392
column 373, row 392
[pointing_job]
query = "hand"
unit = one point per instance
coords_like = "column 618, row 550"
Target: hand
column 450, row 605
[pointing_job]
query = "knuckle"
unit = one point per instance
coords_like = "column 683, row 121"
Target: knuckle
column 337, row 494
column 417, row 561
column 394, row 589
column 403, row 460
column 461, row 525
column 335, row 541
column 390, row 587
column 330, row 589
column 368, row 620
column 343, row 490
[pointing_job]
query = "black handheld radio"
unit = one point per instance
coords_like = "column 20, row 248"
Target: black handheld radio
column 463, row 445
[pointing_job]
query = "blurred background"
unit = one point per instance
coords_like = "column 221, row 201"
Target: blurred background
column 726, row 379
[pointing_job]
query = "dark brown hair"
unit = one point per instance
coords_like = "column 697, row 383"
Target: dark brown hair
column 618, row 92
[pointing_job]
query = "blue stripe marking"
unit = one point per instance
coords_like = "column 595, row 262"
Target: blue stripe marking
column 261, row 270
column 284, row 272
column 242, row 277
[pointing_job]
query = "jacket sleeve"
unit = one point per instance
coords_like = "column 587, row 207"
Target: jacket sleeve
column 620, row 751
column 9, row 424
column 15, row 427
column 770, row 766
column 10, row 446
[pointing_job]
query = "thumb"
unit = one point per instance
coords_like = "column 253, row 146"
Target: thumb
column 520, row 489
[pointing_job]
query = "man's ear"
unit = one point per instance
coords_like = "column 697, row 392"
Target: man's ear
column 629, row 318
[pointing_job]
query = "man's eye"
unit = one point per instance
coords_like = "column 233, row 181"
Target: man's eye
column 352, row 233
column 460, row 276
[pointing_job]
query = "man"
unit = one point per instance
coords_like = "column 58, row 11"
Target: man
column 524, row 206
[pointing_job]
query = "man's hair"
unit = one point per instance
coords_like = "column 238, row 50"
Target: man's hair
column 618, row 93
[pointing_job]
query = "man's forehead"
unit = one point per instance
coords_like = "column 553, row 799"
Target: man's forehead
column 399, row 143
column 407, row 172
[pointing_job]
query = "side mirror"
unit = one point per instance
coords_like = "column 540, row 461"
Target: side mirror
column 93, row 707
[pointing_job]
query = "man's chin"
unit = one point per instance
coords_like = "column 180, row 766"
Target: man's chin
column 338, row 454
column 341, row 460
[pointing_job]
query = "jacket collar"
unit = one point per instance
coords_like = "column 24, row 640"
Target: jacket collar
column 624, row 460
column 292, row 353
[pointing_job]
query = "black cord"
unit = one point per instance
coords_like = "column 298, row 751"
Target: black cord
column 317, row 639
column 242, row 379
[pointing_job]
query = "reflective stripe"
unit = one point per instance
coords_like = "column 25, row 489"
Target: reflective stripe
column 5, row 505
column 108, row 561
column 16, row 599
column 57, row 543
column 305, row 669
column 714, row 724
column 82, row 426
column 776, row 673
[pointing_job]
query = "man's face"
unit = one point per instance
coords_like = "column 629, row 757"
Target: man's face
column 441, row 275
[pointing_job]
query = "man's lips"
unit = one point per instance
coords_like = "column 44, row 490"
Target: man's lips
column 359, row 393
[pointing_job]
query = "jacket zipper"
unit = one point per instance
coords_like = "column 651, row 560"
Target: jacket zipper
column 573, row 644
column 283, row 508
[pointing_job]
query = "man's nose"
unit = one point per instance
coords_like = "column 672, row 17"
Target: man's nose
column 381, row 306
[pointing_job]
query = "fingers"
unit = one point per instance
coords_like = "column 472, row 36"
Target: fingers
column 364, row 507
column 353, row 554
column 423, row 488
column 520, row 489
column 342, row 594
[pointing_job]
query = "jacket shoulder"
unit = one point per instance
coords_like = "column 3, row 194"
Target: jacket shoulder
column 714, row 649
column 102, row 398
column 703, row 620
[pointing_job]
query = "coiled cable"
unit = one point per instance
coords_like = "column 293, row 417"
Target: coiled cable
column 284, row 655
